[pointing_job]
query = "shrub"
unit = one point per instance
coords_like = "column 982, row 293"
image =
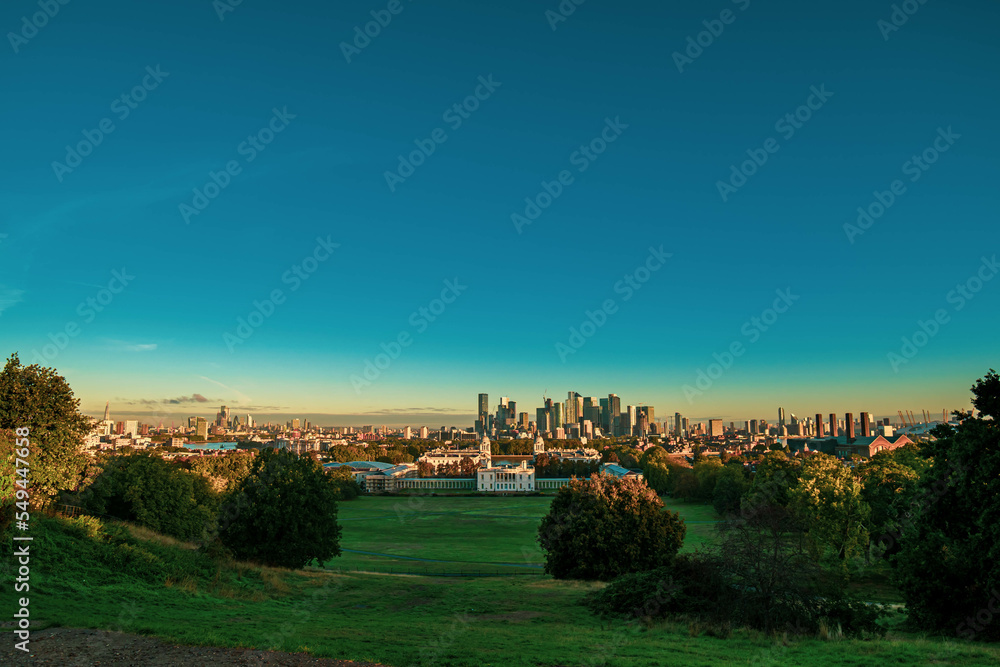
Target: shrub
column 604, row 527
column 153, row 493
column 283, row 513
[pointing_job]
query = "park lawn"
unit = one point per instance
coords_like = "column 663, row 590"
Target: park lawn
column 82, row 580
column 468, row 534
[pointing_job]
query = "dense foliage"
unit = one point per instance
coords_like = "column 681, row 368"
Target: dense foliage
column 949, row 564
column 283, row 513
column 40, row 399
column 151, row 492
column 760, row 576
column 603, row 527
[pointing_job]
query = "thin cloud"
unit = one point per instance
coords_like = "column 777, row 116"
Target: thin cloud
column 10, row 297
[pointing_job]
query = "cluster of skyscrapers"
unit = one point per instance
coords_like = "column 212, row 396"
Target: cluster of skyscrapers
column 577, row 416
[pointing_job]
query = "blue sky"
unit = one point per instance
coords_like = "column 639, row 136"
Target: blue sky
column 388, row 251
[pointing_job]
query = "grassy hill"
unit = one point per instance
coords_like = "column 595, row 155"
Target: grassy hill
column 93, row 575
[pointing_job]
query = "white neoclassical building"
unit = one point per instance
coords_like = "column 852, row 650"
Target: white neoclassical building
column 506, row 478
column 441, row 456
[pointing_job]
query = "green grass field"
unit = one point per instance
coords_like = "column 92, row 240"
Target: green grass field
column 151, row 585
column 462, row 534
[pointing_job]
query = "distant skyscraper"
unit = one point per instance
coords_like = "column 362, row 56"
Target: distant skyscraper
column 107, row 411
column 819, row 425
column 614, row 413
column 866, row 424
column 849, row 425
column 296, row 424
column 629, row 420
column 833, row 425
column 201, row 427
column 753, row 426
column 715, row 428
column 542, row 420
column 249, row 421
column 484, row 406
column 677, row 424
column 781, row 418
column 424, row 432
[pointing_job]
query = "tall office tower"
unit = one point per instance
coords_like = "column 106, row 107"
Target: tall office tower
column 684, row 425
column 524, row 420
column 819, row 425
column 833, row 425
column 236, row 422
column 649, row 412
column 192, row 421
column 642, row 425
column 732, row 426
column 408, row 433
column 201, row 427
column 577, row 401
column 296, row 424
column 483, row 411
column 849, row 425
column 542, row 420
column 866, row 424
column 571, row 414
column 424, row 432
column 512, row 412
column 605, row 417
column 753, row 427
column 629, row 420
column 556, row 411
column 588, row 428
column 677, row 424
column 715, row 428
column 593, row 413
column 107, row 411
column 249, row 421
column 614, row 413
column 781, row 418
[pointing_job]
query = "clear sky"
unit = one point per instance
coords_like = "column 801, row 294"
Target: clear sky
column 632, row 127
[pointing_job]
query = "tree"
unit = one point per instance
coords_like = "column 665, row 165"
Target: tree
column 605, row 526
column 730, row 485
column 284, row 513
column 887, row 488
column 40, row 399
column 829, row 500
column 151, row 492
column 948, row 567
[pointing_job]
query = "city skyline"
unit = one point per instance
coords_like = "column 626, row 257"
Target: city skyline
column 253, row 208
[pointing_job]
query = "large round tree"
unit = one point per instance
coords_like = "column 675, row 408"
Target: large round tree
column 40, row 400
column 603, row 527
column 948, row 568
column 283, row 513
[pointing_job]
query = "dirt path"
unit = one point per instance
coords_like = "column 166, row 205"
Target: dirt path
column 72, row 647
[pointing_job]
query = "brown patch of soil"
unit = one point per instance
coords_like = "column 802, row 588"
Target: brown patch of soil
column 74, row 647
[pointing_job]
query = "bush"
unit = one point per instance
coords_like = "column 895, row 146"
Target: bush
column 283, row 513
column 153, row 493
column 604, row 527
